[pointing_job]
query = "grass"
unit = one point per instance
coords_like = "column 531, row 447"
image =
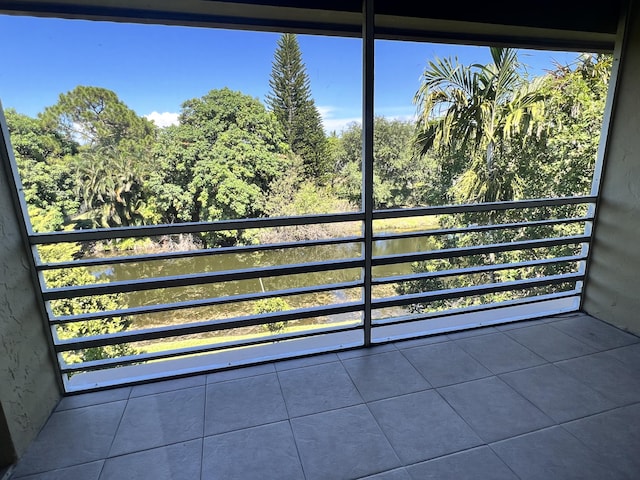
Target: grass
column 194, row 342
column 406, row 224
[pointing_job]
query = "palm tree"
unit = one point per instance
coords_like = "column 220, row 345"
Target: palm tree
column 110, row 186
column 475, row 110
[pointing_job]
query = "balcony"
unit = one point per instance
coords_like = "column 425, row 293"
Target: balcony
column 539, row 380
column 175, row 324
column 557, row 397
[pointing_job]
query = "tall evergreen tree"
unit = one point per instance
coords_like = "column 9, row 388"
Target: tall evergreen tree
column 290, row 99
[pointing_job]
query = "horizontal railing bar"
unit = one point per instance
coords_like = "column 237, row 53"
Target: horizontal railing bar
column 145, row 357
column 478, row 249
column 148, row 309
column 475, row 290
column 243, row 224
column 196, row 279
column 202, row 327
column 482, row 207
column 206, row 302
column 474, row 308
column 90, row 262
column 476, row 269
column 479, row 228
column 189, row 227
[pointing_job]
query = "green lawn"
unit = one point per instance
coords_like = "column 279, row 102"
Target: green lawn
column 406, row 224
column 194, row 342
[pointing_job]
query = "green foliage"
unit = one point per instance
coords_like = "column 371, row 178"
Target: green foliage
column 219, row 162
column 43, row 158
column 32, row 139
column 554, row 159
column 111, row 184
column 294, row 195
column 112, row 163
column 291, row 101
column 475, row 111
column 175, row 154
column 398, row 177
column 575, row 100
column 72, row 306
column 272, row 305
column 96, row 117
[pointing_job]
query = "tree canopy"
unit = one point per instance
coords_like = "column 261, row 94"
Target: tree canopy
column 219, row 161
column 44, row 159
column 397, row 174
column 96, row 117
column 111, row 144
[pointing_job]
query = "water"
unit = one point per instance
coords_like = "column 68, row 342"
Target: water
column 254, row 260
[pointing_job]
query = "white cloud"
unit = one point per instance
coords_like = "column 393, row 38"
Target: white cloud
column 402, row 118
column 332, row 123
column 163, row 119
column 338, row 125
column 335, row 123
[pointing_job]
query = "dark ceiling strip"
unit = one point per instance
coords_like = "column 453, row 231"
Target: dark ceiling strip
column 306, row 24
column 82, row 11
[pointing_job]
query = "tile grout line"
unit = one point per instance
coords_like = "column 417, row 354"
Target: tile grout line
column 499, row 373
column 115, row 432
column 293, row 436
column 431, row 387
column 603, row 412
column 597, row 347
column 589, row 448
column 204, row 426
column 559, row 360
column 579, row 380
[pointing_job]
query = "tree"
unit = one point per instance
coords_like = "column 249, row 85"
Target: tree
column 475, row 110
column 574, row 104
column 291, row 195
column 291, row 101
column 43, row 158
column 558, row 161
column 219, row 162
column 111, row 185
column 272, row 305
column 397, row 176
column 95, row 117
column 113, row 153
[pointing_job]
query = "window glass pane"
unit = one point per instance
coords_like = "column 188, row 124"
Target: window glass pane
column 133, row 125
column 465, row 125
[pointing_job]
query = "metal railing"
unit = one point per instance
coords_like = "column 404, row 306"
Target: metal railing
column 208, row 322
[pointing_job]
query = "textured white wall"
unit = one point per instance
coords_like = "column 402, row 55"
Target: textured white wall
column 612, row 290
column 28, row 386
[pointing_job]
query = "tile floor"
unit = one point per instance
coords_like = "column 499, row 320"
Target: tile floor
column 549, row 399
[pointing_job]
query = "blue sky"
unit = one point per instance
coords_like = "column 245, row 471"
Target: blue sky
column 154, row 68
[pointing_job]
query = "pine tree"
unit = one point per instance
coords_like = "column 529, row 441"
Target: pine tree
column 290, row 99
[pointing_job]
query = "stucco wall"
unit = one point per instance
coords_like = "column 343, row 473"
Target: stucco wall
column 612, row 290
column 28, row 386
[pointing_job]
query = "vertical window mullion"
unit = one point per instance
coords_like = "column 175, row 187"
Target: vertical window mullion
column 367, row 157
